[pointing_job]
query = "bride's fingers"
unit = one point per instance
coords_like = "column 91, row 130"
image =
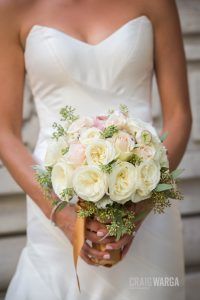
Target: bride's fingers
column 92, row 236
column 85, row 257
column 94, row 225
column 126, row 248
column 118, row 244
column 95, row 253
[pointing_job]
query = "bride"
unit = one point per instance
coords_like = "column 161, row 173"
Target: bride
column 92, row 55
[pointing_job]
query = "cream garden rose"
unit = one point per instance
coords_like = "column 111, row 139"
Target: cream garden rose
column 116, row 118
column 54, row 151
column 145, row 151
column 100, row 151
column 80, row 123
column 76, row 154
column 61, row 177
column 124, row 144
column 122, row 182
column 161, row 156
column 89, row 134
column 136, row 126
column 148, row 176
column 90, row 183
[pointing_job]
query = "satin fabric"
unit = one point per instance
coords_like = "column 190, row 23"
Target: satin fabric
column 62, row 70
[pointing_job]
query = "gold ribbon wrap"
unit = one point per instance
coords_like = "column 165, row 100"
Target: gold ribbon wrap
column 79, row 239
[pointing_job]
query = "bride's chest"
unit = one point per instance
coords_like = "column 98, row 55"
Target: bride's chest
column 54, row 57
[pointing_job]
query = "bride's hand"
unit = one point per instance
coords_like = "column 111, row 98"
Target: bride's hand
column 65, row 219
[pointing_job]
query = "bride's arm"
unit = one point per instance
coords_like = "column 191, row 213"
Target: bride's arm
column 13, row 153
column 171, row 74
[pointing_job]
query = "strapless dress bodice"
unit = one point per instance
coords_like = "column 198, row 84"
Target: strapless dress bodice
column 62, row 70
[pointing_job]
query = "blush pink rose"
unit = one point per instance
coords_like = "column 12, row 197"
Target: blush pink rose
column 76, row 154
column 99, row 122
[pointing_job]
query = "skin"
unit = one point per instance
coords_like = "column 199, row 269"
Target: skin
column 91, row 22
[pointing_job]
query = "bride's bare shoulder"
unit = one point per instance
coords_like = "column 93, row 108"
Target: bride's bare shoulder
column 159, row 11
column 12, row 12
column 12, row 15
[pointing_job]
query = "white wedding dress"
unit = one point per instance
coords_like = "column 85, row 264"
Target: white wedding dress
column 93, row 78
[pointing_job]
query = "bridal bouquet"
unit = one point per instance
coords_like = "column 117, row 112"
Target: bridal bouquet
column 109, row 161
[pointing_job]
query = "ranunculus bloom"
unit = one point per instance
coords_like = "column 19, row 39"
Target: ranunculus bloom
column 90, row 183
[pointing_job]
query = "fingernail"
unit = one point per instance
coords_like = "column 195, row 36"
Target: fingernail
column 108, row 247
column 106, row 256
column 100, row 233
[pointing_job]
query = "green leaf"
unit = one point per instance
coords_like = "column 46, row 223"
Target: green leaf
column 163, row 187
column 164, row 136
column 176, row 173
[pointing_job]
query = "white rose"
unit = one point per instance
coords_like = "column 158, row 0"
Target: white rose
column 76, row 155
column 78, row 124
column 89, row 134
column 161, row 156
column 54, row 151
column 124, row 144
column 148, row 178
column 61, row 177
column 100, row 151
column 90, row 183
column 122, row 182
column 145, row 151
column 116, row 118
column 135, row 126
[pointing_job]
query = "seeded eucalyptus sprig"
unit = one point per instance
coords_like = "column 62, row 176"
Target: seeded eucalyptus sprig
column 59, row 131
column 68, row 114
column 109, row 131
column 67, row 194
column 124, row 109
column 107, row 168
column 166, row 189
column 120, row 219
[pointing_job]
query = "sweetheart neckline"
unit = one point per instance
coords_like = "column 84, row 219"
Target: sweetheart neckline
column 131, row 21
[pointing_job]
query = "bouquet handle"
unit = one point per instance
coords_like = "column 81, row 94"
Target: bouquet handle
column 78, row 240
